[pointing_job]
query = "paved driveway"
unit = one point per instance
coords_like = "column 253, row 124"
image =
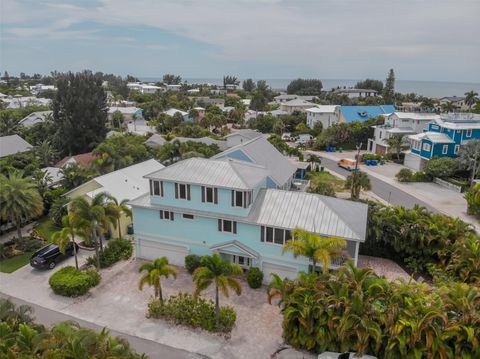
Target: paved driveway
column 118, row 304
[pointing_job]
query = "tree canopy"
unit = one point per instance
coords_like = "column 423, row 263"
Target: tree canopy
column 311, row 87
column 370, row 84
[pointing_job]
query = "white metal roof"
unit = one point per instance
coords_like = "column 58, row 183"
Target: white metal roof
column 404, row 130
column 34, row 118
column 459, row 121
column 53, row 174
column 12, row 144
column 435, row 137
column 322, row 109
column 263, row 153
column 155, row 140
column 416, row 116
column 298, row 102
column 124, row 110
column 246, row 133
column 173, row 111
column 219, row 173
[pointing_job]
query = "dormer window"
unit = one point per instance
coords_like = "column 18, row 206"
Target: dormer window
column 241, row 198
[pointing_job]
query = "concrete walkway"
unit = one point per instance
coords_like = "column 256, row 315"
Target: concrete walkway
column 26, row 230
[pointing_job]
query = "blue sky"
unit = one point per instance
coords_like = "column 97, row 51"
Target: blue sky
column 349, row 39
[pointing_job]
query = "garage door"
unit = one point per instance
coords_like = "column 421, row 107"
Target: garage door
column 281, row 271
column 414, row 162
column 152, row 250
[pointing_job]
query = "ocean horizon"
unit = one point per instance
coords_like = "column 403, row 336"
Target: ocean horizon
column 425, row 88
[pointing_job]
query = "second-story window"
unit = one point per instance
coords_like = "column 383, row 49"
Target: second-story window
column 156, row 188
column 241, row 198
column 275, row 235
column 182, row 191
column 209, row 194
column 167, row 215
column 227, row 226
column 469, row 133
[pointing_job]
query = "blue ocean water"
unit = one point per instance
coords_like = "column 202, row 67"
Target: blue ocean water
column 424, row 88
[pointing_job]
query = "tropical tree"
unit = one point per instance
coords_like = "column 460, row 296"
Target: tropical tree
column 315, row 247
column 279, row 288
column 471, row 98
column 389, row 89
column 46, row 153
column 356, row 182
column 74, row 175
column 448, row 107
column 117, row 119
column 154, row 271
column 473, row 200
column 119, row 208
column 395, row 142
column 67, row 235
column 216, row 270
column 19, row 199
column 469, row 157
column 230, row 80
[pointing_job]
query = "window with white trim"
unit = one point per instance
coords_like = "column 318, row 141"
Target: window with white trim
column 182, row 191
column 225, row 225
column 426, row 147
column 241, row 198
column 444, row 149
column 209, row 195
column 167, row 215
column 275, row 235
column 187, row 216
column 156, row 188
column 416, row 145
column 469, row 133
column 457, row 147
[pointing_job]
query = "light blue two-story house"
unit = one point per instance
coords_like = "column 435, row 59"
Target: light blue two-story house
column 239, row 205
column 442, row 137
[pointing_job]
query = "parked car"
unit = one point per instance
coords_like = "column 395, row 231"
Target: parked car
column 48, row 256
column 332, row 355
column 347, row 163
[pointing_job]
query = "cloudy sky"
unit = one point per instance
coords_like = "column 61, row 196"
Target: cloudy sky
column 329, row 39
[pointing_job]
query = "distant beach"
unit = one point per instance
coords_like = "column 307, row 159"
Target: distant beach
column 424, row 88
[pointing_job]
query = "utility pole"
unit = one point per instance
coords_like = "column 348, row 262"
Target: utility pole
column 354, row 175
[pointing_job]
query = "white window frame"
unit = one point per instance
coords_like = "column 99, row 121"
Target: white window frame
column 457, row 147
column 469, row 132
column 221, row 226
column 205, row 190
column 178, row 191
column 167, row 215
column 426, row 147
column 264, row 238
column 444, row 149
column 246, row 201
column 160, row 188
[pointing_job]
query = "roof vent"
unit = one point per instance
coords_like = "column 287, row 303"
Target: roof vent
column 362, row 113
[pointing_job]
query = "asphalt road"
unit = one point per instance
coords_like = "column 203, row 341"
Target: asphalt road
column 153, row 349
column 382, row 189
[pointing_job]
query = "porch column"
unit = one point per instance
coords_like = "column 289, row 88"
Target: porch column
column 357, row 246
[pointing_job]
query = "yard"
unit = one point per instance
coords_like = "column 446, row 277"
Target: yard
column 12, row 264
column 327, row 177
column 46, row 228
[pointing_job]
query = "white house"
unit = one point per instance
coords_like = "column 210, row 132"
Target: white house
column 173, row 87
column 127, row 112
column 296, row 105
column 397, row 124
column 289, row 97
column 324, row 114
column 458, row 102
column 357, row 93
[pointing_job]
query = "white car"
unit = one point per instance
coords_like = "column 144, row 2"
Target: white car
column 332, row 355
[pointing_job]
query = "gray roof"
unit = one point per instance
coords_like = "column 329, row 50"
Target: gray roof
column 246, row 133
column 155, row 141
column 327, row 216
column 220, row 173
column 205, row 140
column 298, row 102
column 34, row 118
column 263, row 153
column 10, row 145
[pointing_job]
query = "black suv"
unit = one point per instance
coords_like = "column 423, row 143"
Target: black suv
column 49, row 256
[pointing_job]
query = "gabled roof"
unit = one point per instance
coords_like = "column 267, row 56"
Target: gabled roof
column 298, row 102
column 263, row 153
column 453, row 98
column 322, row 109
column 328, row 216
column 245, row 133
column 10, row 145
column 235, row 247
column 205, row 140
column 155, row 141
column 459, row 121
column 171, row 112
column 83, row 160
column 227, row 173
column 362, row 113
column 434, row 137
column 34, row 118
column 125, row 183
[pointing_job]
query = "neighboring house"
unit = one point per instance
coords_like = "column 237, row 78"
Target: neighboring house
column 286, row 97
column 457, row 102
column 171, row 112
column 21, row 102
column 34, row 118
column 350, row 114
column 296, row 105
column 442, row 138
column 84, row 160
column 144, row 88
column 326, row 115
column 220, row 102
column 304, row 139
column 196, row 90
column 410, row 107
column 155, row 141
column 13, row 144
column 126, row 183
column 35, row 89
column 241, row 136
column 204, row 206
column 222, row 145
column 397, row 124
column 357, row 93
column 127, row 112
column 53, row 175
column 246, row 102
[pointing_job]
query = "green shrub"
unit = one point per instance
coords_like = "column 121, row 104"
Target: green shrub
column 254, row 277
column 192, row 262
column 421, row 177
column 473, row 200
column 371, row 156
column 404, row 175
column 197, row 312
column 116, row 250
column 441, row 167
column 71, row 282
column 322, row 188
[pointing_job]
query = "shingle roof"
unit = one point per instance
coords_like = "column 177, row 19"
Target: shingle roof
column 362, row 113
column 263, row 153
column 83, row 160
column 220, row 173
column 10, row 145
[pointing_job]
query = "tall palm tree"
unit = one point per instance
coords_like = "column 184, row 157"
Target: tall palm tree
column 46, row 153
column 119, row 208
column 471, row 98
column 315, row 247
column 215, row 269
column 155, row 270
column 19, row 199
column 448, row 107
column 91, row 215
column 67, row 235
column 395, row 142
column 356, row 182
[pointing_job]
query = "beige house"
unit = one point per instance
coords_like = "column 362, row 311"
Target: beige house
column 126, row 183
column 296, row 105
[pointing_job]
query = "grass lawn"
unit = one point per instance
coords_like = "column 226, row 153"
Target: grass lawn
column 325, row 176
column 12, row 264
column 46, row 228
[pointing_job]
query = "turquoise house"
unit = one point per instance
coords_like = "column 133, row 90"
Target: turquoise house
column 240, row 208
column 443, row 137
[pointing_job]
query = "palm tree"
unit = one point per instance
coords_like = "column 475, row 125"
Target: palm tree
column 448, row 107
column 280, row 288
column 395, row 142
column 356, row 182
column 155, row 270
column 65, row 236
column 315, row 247
column 92, row 216
column 19, row 199
column 118, row 208
column 215, row 269
column 471, row 98
column 46, row 153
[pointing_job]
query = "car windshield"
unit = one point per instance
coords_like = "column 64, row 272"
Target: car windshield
column 46, row 249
